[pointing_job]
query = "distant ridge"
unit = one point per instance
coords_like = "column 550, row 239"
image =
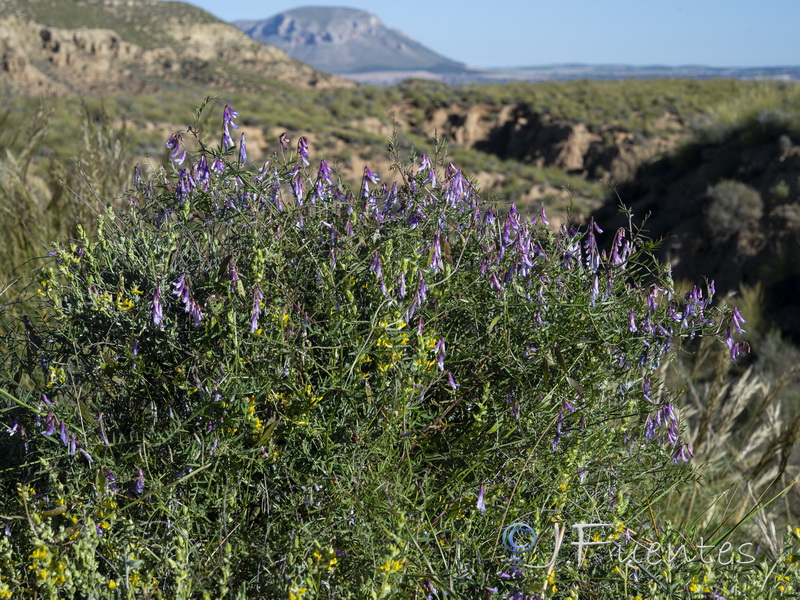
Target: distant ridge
column 346, row 41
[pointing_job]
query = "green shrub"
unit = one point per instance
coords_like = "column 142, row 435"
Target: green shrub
column 266, row 384
column 734, row 206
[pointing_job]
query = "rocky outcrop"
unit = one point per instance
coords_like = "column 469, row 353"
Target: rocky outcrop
column 515, row 132
column 40, row 59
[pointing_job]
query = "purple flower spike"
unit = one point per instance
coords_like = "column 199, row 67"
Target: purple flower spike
column 481, row 506
column 325, row 172
column 138, row 487
column 422, row 293
column 257, row 298
column 436, row 261
column 228, row 115
column 158, row 313
column 181, row 289
column 234, row 276
column 174, row 144
column 242, row 151
column 543, row 217
column 376, row 265
column 452, row 381
column 50, row 421
column 194, row 309
column 284, row 140
column 64, row 435
column 632, row 322
column 302, row 150
column 440, row 352
column 683, row 453
column 738, row 321
column 430, row 173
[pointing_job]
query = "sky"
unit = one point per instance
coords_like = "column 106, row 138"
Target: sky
column 506, row 33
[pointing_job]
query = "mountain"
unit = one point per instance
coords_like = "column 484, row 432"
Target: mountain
column 346, row 41
column 59, row 47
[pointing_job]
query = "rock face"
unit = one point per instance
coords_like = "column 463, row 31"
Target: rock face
column 345, row 40
column 122, row 52
column 513, row 131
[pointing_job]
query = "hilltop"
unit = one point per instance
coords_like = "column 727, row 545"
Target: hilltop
column 59, row 47
column 346, row 41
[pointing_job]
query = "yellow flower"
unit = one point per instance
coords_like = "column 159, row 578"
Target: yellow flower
column 391, row 566
column 112, row 585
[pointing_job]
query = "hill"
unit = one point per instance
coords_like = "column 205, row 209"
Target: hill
column 346, row 41
column 59, row 47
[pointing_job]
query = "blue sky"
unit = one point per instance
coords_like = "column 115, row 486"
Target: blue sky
column 494, row 33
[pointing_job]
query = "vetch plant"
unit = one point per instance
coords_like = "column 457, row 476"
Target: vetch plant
column 271, row 386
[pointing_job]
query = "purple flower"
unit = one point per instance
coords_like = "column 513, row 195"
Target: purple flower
column 50, row 422
column 85, row 454
column 617, row 258
column 422, row 292
column 202, row 172
column 302, row 150
column 736, row 348
column 242, row 151
column 631, row 322
column 738, row 321
column 284, row 140
column 436, row 261
column 456, row 186
column 193, row 308
column 182, row 290
column 324, row 172
column 158, row 313
column 64, row 434
column 369, row 175
column 430, row 175
column 138, row 486
column 14, row 427
column 683, row 453
column 256, row 312
column 228, row 115
column 110, row 479
column 174, row 144
column 440, row 352
column 185, row 185
column 543, row 217
column 234, row 276
column 452, row 381
column 297, row 189
column 376, row 265
column 481, row 506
